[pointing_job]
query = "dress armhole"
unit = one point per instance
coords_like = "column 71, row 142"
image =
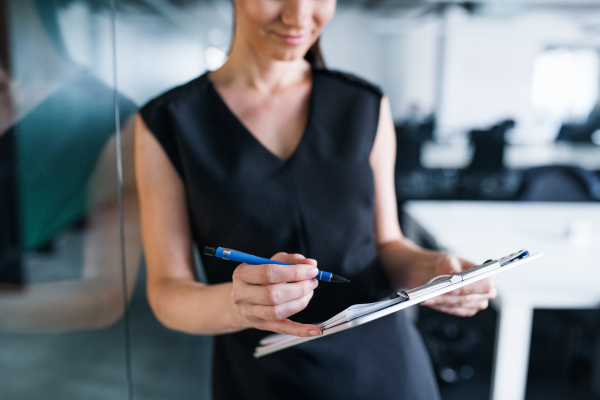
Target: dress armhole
column 158, row 122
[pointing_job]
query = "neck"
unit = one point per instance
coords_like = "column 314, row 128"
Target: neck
column 248, row 69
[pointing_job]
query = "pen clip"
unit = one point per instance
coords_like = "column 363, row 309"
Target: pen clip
column 514, row 256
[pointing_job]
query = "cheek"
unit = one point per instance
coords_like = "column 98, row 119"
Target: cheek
column 324, row 14
column 259, row 13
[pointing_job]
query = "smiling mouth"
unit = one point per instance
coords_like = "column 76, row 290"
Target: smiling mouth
column 292, row 40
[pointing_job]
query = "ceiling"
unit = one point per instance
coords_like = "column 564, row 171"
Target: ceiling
column 412, row 4
column 415, row 7
column 400, row 5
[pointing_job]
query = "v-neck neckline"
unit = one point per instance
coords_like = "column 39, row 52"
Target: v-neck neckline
column 253, row 138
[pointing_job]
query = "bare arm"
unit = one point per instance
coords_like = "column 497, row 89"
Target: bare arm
column 408, row 264
column 262, row 297
column 97, row 299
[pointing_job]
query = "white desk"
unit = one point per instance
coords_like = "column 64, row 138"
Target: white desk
column 567, row 276
column 458, row 155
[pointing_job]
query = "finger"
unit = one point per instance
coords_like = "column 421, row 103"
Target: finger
column 276, row 312
column 448, row 264
column 288, row 327
column 273, row 294
column 485, row 286
column 269, row 274
column 459, row 311
column 457, row 301
column 294, row 259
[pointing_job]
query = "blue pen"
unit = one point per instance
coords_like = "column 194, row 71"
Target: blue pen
column 238, row 256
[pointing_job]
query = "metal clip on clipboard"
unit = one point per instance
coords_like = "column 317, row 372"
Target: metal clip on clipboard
column 447, row 280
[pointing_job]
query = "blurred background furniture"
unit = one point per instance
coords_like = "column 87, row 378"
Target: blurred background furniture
column 565, row 278
column 570, row 183
column 489, row 147
column 559, row 183
column 412, row 179
column 486, row 177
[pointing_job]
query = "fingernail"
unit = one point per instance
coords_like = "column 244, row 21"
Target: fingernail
column 312, row 272
column 315, row 283
column 314, row 332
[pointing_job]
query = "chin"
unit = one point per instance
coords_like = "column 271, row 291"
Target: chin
column 290, row 55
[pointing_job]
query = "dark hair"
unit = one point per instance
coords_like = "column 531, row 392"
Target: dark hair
column 314, row 55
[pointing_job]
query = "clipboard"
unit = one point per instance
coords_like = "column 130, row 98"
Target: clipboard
column 402, row 299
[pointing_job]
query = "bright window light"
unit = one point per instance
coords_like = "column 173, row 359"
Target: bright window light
column 214, row 58
column 565, row 82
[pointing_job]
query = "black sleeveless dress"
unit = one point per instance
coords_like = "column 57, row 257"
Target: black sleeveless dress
column 319, row 203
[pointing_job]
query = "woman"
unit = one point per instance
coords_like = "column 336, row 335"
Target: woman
column 269, row 154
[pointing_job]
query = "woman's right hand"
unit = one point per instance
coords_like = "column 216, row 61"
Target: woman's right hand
column 266, row 295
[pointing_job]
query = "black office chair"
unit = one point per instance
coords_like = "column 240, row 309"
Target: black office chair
column 559, row 183
column 575, row 133
column 408, row 144
column 486, row 178
column 489, row 147
column 488, row 155
column 411, row 178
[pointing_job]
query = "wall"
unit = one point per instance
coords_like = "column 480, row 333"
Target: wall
column 487, row 72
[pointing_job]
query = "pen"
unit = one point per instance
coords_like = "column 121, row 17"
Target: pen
column 238, row 256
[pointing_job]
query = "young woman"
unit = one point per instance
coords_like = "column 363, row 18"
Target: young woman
column 271, row 154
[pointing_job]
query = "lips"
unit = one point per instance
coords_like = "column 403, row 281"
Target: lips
column 292, row 40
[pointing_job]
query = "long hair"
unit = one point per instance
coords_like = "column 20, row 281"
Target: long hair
column 314, row 55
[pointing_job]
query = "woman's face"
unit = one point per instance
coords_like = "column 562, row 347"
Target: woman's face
column 281, row 29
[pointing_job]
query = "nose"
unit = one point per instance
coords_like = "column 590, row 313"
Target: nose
column 297, row 13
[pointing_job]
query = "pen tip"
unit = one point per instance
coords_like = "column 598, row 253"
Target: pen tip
column 337, row 278
column 209, row 251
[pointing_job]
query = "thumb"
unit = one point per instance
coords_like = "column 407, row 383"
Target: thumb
column 448, row 264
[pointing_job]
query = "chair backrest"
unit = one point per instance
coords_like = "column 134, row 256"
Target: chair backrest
column 408, row 152
column 575, row 133
column 559, row 183
column 489, row 147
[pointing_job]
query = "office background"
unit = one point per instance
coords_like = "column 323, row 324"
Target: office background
column 493, row 100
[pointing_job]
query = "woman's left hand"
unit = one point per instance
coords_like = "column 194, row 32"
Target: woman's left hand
column 466, row 301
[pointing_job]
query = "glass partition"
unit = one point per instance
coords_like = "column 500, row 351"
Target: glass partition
column 74, row 320
column 65, row 277
column 161, row 44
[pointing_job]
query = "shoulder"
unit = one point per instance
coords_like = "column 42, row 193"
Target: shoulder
column 177, row 94
column 348, row 80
